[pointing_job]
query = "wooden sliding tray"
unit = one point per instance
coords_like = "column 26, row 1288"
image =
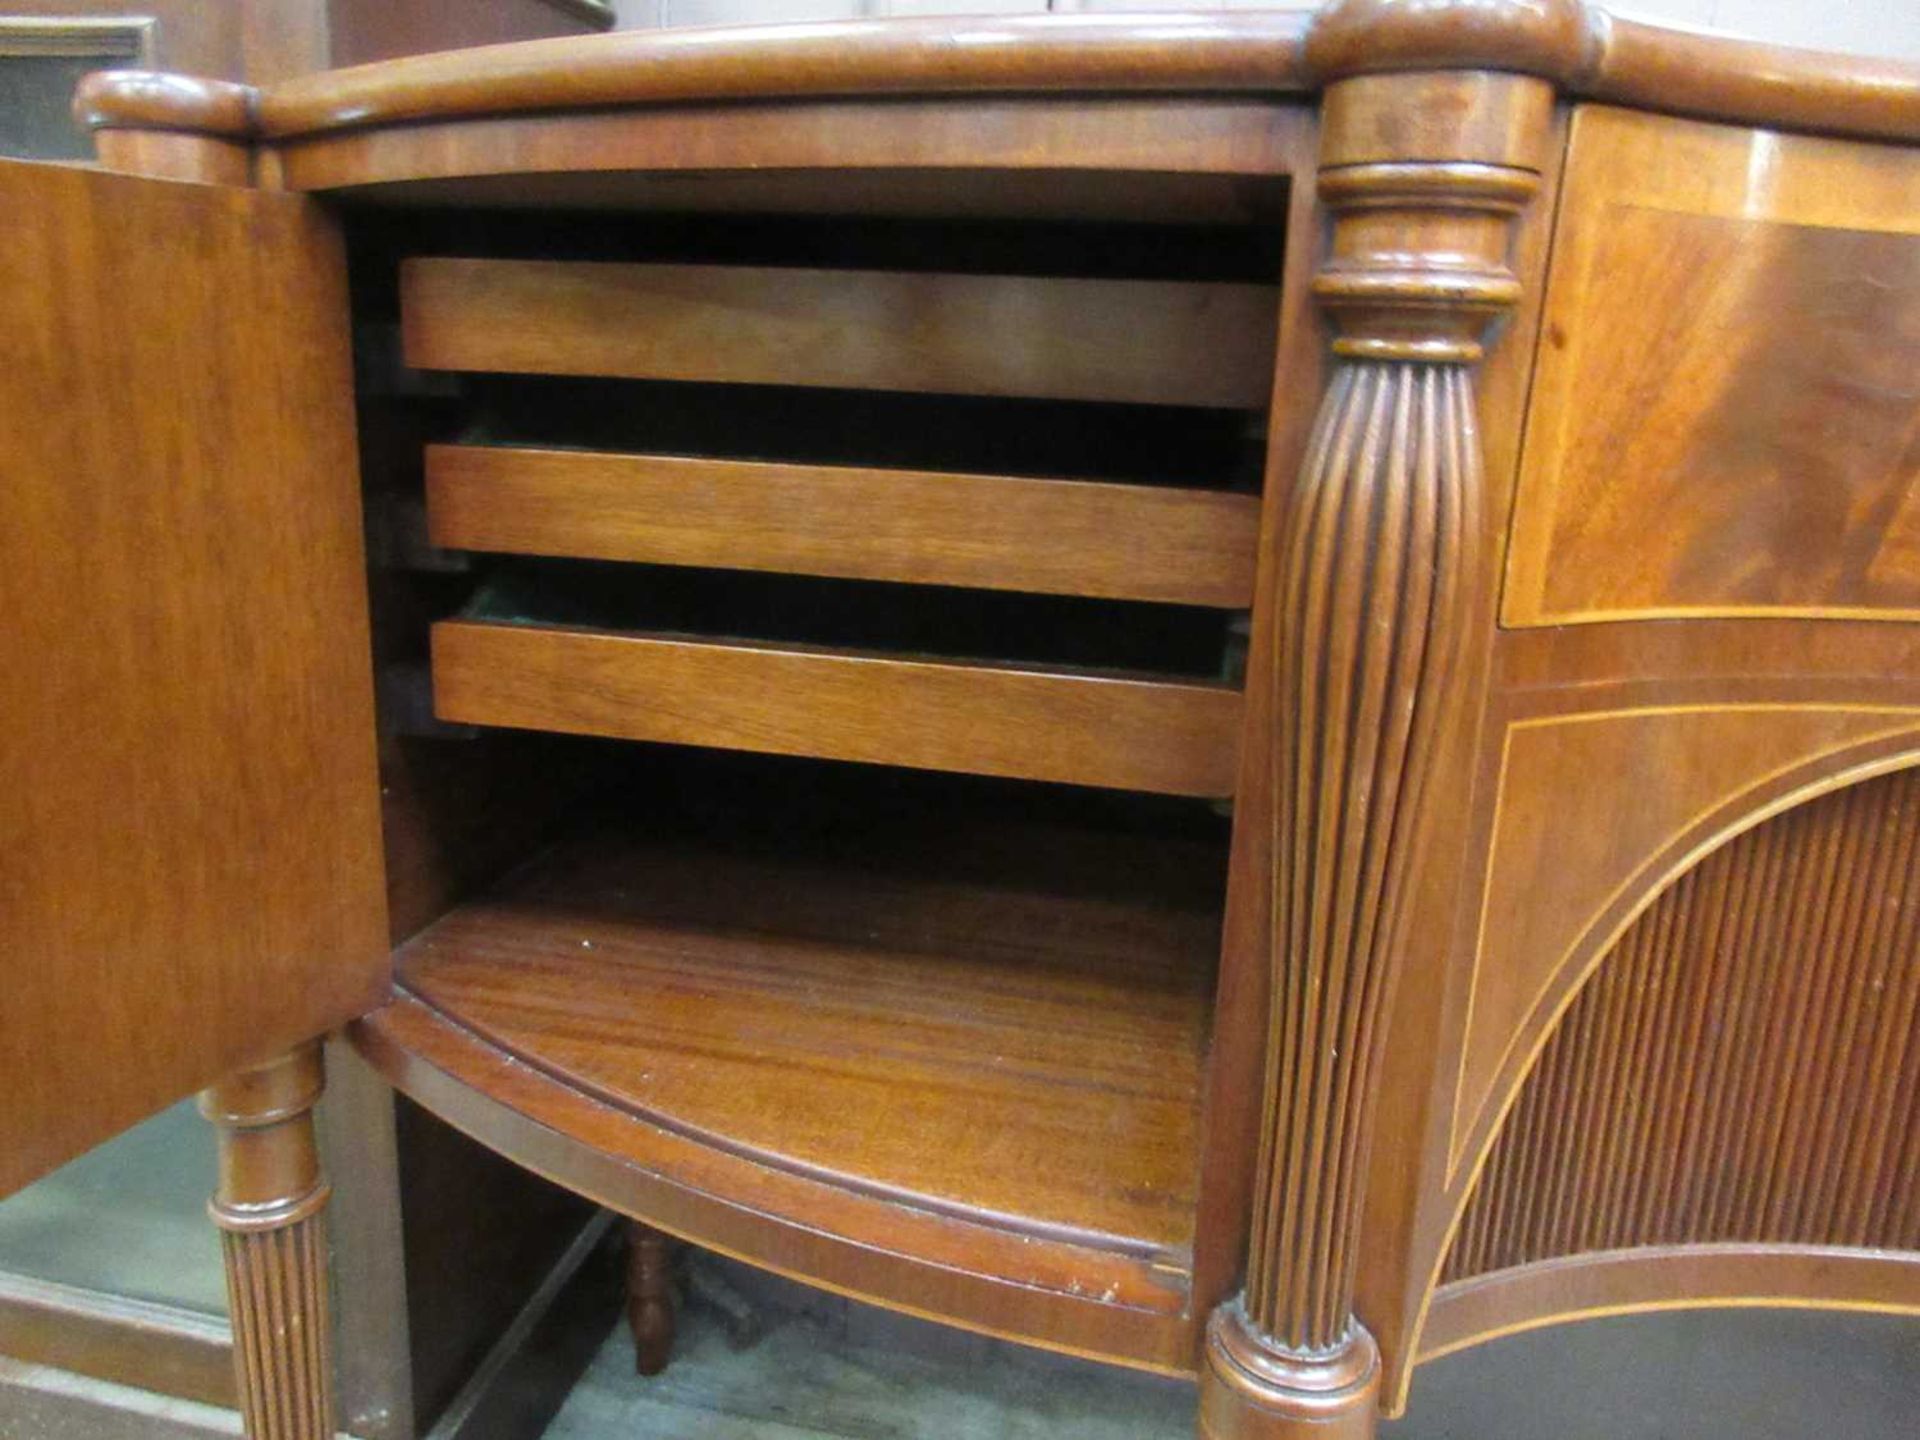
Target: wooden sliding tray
column 1000, row 532
column 1169, row 344
column 1144, row 341
column 1164, row 736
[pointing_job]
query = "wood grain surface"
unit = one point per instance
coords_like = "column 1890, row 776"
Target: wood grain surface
column 1015, row 53
column 1667, row 1277
column 1744, row 439
column 117, row 1338
column 1367, row 659
column 271, row 1207
column 1166, row 736
column 1081, row 1299
column 1129, row 542
column 1146, row 341
column 1113, row 146
column 1679, row 777
column 1008, row 1055
column 188, row 805
column 1726, row 1113
column 1743, row 1067
column 1584, row 51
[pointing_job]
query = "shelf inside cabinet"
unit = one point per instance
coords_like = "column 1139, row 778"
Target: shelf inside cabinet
column 996, row 1024
column 848, row 671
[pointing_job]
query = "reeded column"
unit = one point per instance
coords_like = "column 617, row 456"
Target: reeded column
column 1381, row 552
column 271, row 1210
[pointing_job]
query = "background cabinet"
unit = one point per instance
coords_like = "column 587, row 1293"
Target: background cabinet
column 47, row 45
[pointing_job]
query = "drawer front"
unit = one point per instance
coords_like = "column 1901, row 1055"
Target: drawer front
column 1726, row 411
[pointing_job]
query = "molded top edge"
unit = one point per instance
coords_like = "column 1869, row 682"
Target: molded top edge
column 152, row 100
column 1584, row 51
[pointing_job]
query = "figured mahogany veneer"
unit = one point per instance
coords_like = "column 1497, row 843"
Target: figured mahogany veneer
column 1039, row 154
column 133, row 512
column 1729, row 1112
column 1741, row 442
column 1584, row 50
column 1711, row 1085
column 1089, row 54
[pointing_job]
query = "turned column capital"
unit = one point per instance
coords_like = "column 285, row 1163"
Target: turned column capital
column 269, row 1169
column 1424, row 175
column 270, row 1206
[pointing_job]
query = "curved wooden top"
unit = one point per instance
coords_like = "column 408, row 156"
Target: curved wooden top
column 1715, row 77
column 1015, row 54
column 1586, row 52
column 150, row 100
column 1558, row 39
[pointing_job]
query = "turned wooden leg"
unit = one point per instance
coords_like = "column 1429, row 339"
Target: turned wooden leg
column 650, row 1297
column 271, row 1210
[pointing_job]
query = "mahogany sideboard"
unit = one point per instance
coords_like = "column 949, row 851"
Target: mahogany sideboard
column 1236, row 693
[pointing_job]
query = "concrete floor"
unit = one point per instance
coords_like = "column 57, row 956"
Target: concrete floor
column 128, row 1218
column 826, row 1368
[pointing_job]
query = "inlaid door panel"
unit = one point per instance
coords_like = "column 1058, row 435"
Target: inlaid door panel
column 1726, row 413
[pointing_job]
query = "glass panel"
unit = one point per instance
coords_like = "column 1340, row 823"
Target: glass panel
column 128, row 1218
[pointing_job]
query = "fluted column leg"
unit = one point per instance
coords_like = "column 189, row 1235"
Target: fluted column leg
column 1381, row 542
column 1379, row 569
column 271, row 1210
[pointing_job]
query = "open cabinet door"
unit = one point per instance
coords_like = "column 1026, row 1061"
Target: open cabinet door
column 190, row 873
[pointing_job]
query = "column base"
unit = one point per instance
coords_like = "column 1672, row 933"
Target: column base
column 1252, row 1389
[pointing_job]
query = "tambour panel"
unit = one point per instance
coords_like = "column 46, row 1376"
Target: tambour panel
column 1139, row 341
column 1133, row 542
column 1595, row 810
column 1726, row 413
column 1744, row 1066
column 1078, row 727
